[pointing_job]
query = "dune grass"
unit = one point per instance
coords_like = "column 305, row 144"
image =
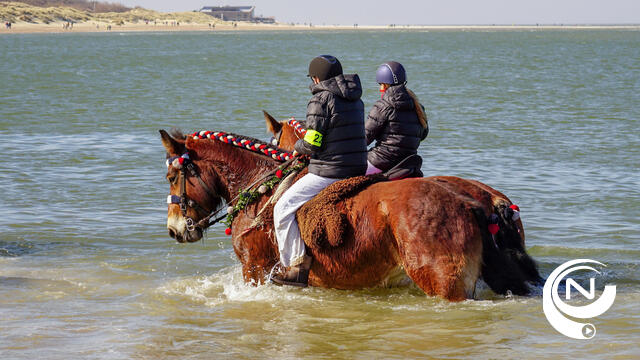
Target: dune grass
column 20, row 12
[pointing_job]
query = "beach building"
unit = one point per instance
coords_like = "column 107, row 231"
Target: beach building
column 235, row 13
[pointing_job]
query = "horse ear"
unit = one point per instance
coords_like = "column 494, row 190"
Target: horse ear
column 173, row 146
column 273, row 125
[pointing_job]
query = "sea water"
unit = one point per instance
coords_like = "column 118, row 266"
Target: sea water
column 87, row 270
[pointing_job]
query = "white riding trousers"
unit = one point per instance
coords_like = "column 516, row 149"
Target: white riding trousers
column 290, row 243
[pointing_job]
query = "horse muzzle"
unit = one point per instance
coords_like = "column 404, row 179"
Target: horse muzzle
column 186, row 236
column 179, row 231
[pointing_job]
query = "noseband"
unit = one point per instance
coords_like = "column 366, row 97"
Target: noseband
column 186, row 166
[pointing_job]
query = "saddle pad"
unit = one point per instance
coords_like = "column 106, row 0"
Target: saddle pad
column 321, row 220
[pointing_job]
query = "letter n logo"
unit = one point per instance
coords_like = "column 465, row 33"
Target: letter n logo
column 591, row 294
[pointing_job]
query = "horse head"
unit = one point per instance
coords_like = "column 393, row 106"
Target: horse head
column 208, row 167
column 193, row 193
column 285, row 133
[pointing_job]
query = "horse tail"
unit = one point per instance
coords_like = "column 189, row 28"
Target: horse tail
column 501, row 269
column 514, row 246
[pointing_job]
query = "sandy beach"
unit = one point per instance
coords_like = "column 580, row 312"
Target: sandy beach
column 101, row 26
column 59, row 19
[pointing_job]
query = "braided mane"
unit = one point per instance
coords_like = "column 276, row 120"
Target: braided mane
column 245, row 142
column 298, row 126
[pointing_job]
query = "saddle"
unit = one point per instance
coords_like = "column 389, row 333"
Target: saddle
column 407, row 168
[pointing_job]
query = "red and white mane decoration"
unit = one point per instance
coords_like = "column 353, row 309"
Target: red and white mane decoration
column 245, row 142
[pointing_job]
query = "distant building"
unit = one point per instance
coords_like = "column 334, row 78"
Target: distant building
column 230, row 13
column 265, row 20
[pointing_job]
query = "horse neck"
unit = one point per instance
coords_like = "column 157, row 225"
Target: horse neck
column 236, row 168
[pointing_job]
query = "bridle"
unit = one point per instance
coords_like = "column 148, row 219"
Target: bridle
column 186, row 167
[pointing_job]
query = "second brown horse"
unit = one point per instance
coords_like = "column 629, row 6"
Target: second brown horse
column 511, row 236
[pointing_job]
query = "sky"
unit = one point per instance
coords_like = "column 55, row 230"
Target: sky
column 423, row 12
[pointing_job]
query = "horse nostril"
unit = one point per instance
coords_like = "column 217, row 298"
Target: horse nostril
column 175, row 234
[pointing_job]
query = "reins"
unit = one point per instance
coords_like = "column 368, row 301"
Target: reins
column 204, row 222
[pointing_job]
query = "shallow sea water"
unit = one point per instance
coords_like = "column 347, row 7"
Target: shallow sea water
column 87, row 270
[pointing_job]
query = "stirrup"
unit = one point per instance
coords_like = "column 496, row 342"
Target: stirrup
column 295, row 276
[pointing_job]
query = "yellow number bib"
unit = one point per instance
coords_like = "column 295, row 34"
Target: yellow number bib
column 313, row 137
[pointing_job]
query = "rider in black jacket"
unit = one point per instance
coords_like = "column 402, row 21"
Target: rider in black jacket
column 335, row 128
column 335, row 140
column 396, row 122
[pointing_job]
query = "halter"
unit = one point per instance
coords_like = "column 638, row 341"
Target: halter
column 184, row 164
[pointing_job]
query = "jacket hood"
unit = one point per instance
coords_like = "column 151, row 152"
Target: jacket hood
column 345, row 86
column 399, row 97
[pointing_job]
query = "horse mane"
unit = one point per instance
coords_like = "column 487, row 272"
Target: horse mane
column 244, row 142
column 233, row 159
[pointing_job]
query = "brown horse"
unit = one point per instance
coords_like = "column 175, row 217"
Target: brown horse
column 511, row 234
column 439, row 237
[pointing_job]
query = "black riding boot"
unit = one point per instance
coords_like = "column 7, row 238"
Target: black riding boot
column 295, row 275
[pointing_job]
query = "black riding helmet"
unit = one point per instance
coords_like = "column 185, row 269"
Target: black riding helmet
column 325, row 67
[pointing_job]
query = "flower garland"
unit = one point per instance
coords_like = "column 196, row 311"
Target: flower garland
column 248, row 196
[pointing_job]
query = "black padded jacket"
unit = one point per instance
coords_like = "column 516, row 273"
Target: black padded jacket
column 335, row 129
column 393, row 123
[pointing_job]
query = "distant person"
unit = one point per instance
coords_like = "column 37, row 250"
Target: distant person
column 336, row 143
column 397, row 122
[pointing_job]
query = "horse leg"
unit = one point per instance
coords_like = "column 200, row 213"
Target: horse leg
column 438, row 239
column 256, row 250
column 438, row 270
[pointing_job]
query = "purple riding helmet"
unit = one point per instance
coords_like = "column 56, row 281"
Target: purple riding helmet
column 392, row 73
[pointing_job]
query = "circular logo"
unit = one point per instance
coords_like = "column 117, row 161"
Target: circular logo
column 557, row 311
